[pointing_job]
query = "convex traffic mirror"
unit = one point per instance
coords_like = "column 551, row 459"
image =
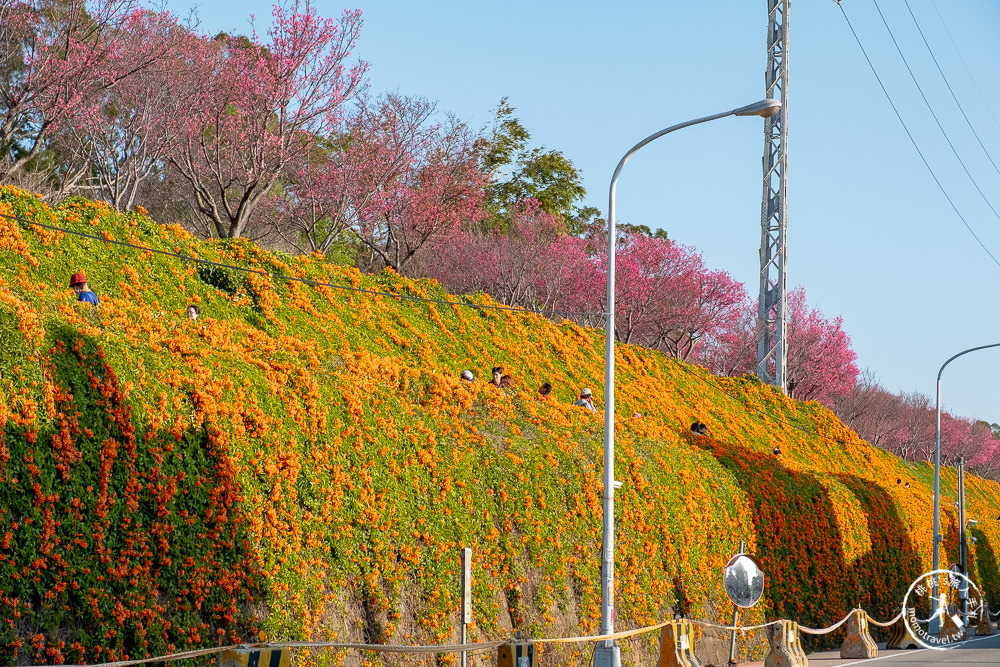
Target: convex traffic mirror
column 743, row 579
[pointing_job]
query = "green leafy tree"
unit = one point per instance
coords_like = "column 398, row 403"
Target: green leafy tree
column 518, row 173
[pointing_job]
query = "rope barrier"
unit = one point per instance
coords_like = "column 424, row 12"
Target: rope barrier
column 196, row 653
column 824, row 631
column 706, row 624
column 888, row 624
column 597, row 638
column 376, row 648
column 454, row 648
column 395, row 648
column 650, row 628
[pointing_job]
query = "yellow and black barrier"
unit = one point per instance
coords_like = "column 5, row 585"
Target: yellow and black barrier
column 786, row 647
column 517, row 654
column 859, row 643
column 901, row 636
column 677, row 645
column 256, row 657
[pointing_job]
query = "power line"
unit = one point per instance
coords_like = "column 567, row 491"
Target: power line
column 965, row 65
column 306, row 281
column 317, row 283
column 934, row 115
column 953, row 96
column 912, row 140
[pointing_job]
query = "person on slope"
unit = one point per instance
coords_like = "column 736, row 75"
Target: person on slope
column 497, row 376
column 586, row 400
column 78, row 281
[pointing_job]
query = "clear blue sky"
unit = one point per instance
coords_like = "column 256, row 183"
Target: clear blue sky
column 870, row 236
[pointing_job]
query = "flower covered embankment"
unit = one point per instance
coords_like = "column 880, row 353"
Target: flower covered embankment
column 305, row 462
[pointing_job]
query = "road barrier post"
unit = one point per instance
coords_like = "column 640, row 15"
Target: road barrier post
column 518, row 654
column 677, row 645
column 859, row 643
column 984, row 628
column 901, row 636
column 950, row 629
column 786, row 648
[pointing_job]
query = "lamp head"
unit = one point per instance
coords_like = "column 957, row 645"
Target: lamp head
column 765, row 109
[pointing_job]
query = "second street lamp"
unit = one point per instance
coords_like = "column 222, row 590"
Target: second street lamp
column 607, row 653
column 935, row 624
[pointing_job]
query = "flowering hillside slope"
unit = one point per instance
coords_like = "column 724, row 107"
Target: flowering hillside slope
column 305, row 462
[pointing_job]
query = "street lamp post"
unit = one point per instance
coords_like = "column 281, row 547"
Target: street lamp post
column 935, row 623
column 607, row 653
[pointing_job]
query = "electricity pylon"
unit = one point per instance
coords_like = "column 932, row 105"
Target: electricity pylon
column 771, row 342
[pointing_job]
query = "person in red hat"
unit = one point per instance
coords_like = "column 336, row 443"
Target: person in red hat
column 78, row 281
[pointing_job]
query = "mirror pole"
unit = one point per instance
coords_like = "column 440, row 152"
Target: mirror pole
column 736, row 618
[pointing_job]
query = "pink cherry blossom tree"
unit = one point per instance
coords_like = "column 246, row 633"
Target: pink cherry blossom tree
column 666, row 298
column 534, row 263
column 904, row 424
column 872, row 412
column 650, row 274
column 355, row 173
column 820, row 359
column 121, row 141
column 312, row 209
column 711, row 304
column 243, row 110
column 413, row 184
column 821, row 364
column 732, row 351
column 56, row 59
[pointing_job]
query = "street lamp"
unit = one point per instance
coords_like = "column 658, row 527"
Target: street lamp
column 607, row 653
column 935, row 626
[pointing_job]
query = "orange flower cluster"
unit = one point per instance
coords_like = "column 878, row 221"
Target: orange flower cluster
column 306, row 462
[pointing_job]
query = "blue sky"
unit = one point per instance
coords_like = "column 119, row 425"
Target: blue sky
column 871, row 238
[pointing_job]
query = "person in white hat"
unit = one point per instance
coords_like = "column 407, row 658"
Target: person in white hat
column 586, row 399
column 468, row 376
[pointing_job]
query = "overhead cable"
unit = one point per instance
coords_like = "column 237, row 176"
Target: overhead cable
column 934, row 115
column 306, row 281
column 946, row 83
column 966, row 66
column 913, row 141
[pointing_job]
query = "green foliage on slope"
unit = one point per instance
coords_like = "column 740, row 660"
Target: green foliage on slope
column 305, row 461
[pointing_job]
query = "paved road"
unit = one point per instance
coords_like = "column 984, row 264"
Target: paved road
column 977, row 651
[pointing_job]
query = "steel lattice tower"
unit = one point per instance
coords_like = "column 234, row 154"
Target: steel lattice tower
column 771, row 348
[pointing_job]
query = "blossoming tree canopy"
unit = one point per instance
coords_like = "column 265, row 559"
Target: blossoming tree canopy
column 244, row 109
column 55, row 60
column 820, row 359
